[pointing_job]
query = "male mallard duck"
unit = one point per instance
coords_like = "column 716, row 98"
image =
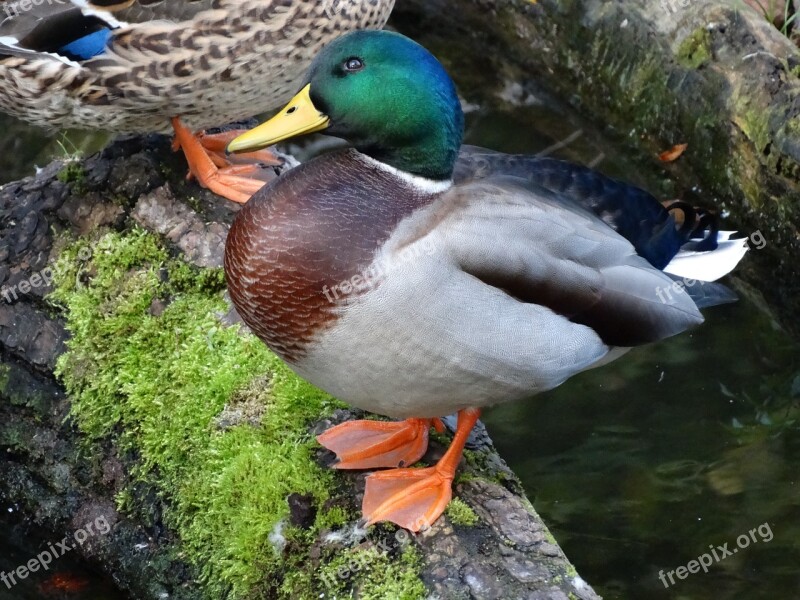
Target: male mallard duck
column 132, row 65
column 414, row 280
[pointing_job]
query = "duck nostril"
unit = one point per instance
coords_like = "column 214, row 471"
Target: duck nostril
column 291, row 110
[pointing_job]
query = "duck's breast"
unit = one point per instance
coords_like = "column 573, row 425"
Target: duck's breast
column 422, row 337
column 491, row 293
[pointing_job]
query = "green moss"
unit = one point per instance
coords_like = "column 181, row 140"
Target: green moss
column 334, row 518
column 13, row 437
column 156, row 385
column 549, row 537
column 651, row 100
column 395, row 579
column 571, row 572
column 5, row 377
column 695, row 50
column 475, row 458
column 72, row 172
column 366, row 574
column 461, row 513
column 754, row 123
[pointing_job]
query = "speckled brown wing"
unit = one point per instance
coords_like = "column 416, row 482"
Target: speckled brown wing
column 208, row 61
column 141, row 11
column 242, row 58
column 55, row 19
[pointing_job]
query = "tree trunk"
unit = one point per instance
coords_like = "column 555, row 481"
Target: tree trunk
column 714, row 75
column 64, row 470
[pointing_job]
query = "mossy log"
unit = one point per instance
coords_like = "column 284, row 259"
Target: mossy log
column 652, row 74
column 128, row 391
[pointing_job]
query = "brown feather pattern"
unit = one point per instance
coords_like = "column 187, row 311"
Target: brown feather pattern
column 309, row 230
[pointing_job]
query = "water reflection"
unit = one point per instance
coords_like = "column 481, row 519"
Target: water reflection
column 23, row 147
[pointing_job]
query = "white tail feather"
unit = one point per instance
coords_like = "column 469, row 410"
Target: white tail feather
column 724, row 236
column 711, row 265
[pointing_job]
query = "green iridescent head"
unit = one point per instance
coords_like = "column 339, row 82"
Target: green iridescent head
column 385, row 94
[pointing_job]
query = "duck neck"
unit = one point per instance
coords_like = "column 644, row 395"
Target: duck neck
column 423, row 141
column 432, row 158
column 419, row 183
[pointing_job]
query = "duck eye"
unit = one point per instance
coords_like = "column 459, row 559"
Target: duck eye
column 353, row 64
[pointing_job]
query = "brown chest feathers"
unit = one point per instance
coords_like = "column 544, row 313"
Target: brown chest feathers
column 305, row 234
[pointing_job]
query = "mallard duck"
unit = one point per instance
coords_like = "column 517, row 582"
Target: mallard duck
column 136, row 65
column 414, row 278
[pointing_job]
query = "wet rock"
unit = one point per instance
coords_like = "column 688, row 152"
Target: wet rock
column 202, row 243
column 482, row 582
column 135, row 175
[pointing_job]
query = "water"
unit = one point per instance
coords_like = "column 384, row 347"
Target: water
column 23, row 147
column 639, row 466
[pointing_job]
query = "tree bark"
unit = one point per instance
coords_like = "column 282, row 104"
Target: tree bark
column 61, row 483
column 714, row 75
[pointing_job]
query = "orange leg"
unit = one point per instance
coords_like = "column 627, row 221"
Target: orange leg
column 415, row 498
column 376, row 444
column 227, row 182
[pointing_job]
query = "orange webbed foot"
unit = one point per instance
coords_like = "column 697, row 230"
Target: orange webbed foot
column 415, row 498
column 208, row 164
column 216, row 144
column 378, row 444
column 410, row 498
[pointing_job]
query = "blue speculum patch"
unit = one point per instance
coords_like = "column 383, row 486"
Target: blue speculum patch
column 87, row 46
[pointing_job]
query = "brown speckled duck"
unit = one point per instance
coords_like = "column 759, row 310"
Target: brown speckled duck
column 414, row 278
column 136, row 65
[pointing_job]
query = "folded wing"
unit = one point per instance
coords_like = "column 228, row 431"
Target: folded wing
column 538, row 248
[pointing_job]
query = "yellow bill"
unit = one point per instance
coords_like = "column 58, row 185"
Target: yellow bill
column 299, row 117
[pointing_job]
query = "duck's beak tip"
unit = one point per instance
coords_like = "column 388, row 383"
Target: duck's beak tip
column 299, row 117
